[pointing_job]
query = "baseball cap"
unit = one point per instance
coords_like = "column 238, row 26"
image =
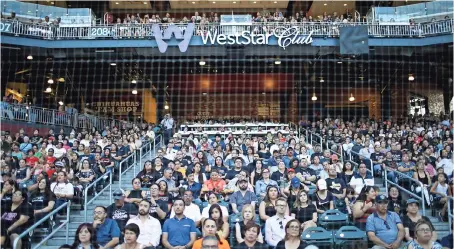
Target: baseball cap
column 321, row 184
column 265, row 170
column 50, row 150
column 242, row 180
column 295, row 182
column 118, row 194
column 381, row 198
column 334, row 157
column 410, row 201
column 290, row 170
column 59, row 164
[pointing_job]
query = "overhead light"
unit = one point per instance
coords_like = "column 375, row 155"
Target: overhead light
column 325, row 4
column 60, row 102
column 193, row 2
column 50, row 81
column 134, row 82
column 117, row 3
column 234, row 2
column 113, row 64
column 351, row 97
column 278, row 62
column 322, row 80
column 134, row 91
column 264, row 93
column 275, row 1
column 411, row 77
column 29, row 57
column 61, row 80
column 345, row 4
column 166, row 106
column 255, row 2
column 144, row 2
column 339, row 62
column 48, row 90
column 204, row 93
column 202, row 63
column 214, row 2
column 314, row 98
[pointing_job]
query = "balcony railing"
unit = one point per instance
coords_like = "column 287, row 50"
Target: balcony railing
column 144, row 31
column 32, row 114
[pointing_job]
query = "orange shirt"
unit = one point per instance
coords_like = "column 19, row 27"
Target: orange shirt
column 217, row 186
column 198, row 244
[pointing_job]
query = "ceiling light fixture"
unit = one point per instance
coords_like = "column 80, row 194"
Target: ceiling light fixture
column 61, row 102
column 144, row 2
column 166, row 106
column 314, row 98
column 117, row 3
column 193, row 2
column 339, row 62
column 214, row 2
column 113, row 64
column 351, row 97
column 234, row 2
column 29, row 57
column 275, row 1
column 277, row 62
column 134, row 91
column 345, row 4
column 322, row 80
column 134, row 81
column 264, row 93
column 48, row 90
column 255, row 2
column 50, row 81
column 411, row 77
column 61, row 80
column 204, row 93
column 202, row 63
column 325, row 4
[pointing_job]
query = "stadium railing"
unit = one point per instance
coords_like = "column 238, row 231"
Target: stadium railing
column 129, row 31
column 450, row 215
column 44, row 219
column 371, row 166
column 32, row 114
column 93, row 185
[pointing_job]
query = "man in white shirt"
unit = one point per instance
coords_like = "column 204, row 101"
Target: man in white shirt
column 150, row 228
column 167, row 126
column 191, row 210
column 275, row 225
column 59, row 151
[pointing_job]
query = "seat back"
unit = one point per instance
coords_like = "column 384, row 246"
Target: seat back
column 319, row 237
column 333, row 219
column 350, row 237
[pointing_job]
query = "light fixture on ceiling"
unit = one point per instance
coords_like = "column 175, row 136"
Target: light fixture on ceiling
column 339, row 62
column 166, row 106
column 48, row 90
column 50, row 81
column 117, row 3
column 61, row 80
column 322, row 80
column 325, row 4
column 234, row 2
column 255, row 2
column 411, row 77
column 277, row 62
column 314, row 98
column 61, row 102
column 134, row 81
column 202, row 62
column 264, row 93
column 214, row 2
column 275, row 1
column 29, row 57
column 134, row 91
column 113, row 64
column 193, row 2
column 204, row 93
column 345, row 4
column 144, row 2
column 351, row 97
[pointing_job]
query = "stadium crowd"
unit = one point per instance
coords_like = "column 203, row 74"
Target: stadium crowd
column 237, row 191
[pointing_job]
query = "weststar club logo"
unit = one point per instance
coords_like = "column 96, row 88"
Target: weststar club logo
column 284, row 37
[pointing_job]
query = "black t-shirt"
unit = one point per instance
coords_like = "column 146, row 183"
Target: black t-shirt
column 396, row 206
column 397, row 156
column 177, row 177
column 121, row 214
column 232, row 173
column 323, row 204
column 10, row 216
column 376, row 156
column 41, row 200
column 278, row 176
column 257, row 245
column 148, row 178
column 221, row 170
column 407, row 222
column 335, row 186
column 304, row 214
column 35, row 139
column 281, row 245
column 163, row 206
column 6, row 201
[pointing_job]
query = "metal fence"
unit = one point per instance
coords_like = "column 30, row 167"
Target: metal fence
column 137, row 31
column 32, row 114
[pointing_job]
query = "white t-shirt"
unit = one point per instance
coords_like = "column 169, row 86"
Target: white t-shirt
column 59, row 152
column 62, row 188
column 192, row 212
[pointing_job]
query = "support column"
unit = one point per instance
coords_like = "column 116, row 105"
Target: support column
column 447, row 95
column 385, row 96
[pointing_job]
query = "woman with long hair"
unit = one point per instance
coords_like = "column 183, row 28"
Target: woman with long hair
column 42, row 199
column 199, row 176
column 263, row 152
column 148, row 175
column 364, row 206
column 131, row 233
column 216, row 214
column 85, row 174
column 347, row 172
column 164, row 194
column 248, row 214
column 292, row 236
column 136, row 194
column 304, row 211
column 210, row 228
column 267, row 207
column 256, row 174
column 422, row 176
column 85, row 237
column 324, row 200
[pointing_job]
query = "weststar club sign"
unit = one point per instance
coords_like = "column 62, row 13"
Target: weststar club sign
column 284, row 36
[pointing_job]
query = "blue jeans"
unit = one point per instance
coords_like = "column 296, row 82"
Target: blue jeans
column 392, row 176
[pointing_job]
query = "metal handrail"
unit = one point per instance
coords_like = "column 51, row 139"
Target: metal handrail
column 132, row 31
column 450, row 215
column 371, row 164
column 121, row 172
column 91, row 185
column 421, row 198
column 45, row 218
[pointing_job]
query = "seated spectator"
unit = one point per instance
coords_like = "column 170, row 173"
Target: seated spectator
column 164, row 194
column 150, row 227
column 85, row 174
column 62, row 189
column 191, row 210
column 322, row 198
column 274, row 227
column 308, row 175
column 213, row 199
column 267, row 207
column 148, row 175
column 395, row 203
column 251, row 237
column 241, row 197
column 214, row 184
column 247, row 215
column 6, row 196
column 364, row 206
column 280, row 175
column 178, row 231
column 85, row 237
column 423, row 177
column 304, row 211
column 216, row 214
column 131, row 234
column 25, row 146
column 233, row 185
column 447, row 241
column 159, row 208
column 361, row 178
column 107, row 230
column 42, row 199
column 316, row 166
column 16, row 218
column 441, row 190
column 237, row 168
column 336, row 185
column 23, row 175
column 292, row 239
column 193, row 186
column 171, row 184
column 136, row 194
column 275, row 159
column 262, row 185
column 410, row 220
column 384, row 228
column 210, row 228
column 424, row 235
column 121, row 211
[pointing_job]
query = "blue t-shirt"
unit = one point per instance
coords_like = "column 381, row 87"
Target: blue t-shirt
column 107, row 231
column 179, row 231
column 385, row 230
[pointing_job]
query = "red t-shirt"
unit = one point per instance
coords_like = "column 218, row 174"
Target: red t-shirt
column 51, row 159
column 31, row 161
